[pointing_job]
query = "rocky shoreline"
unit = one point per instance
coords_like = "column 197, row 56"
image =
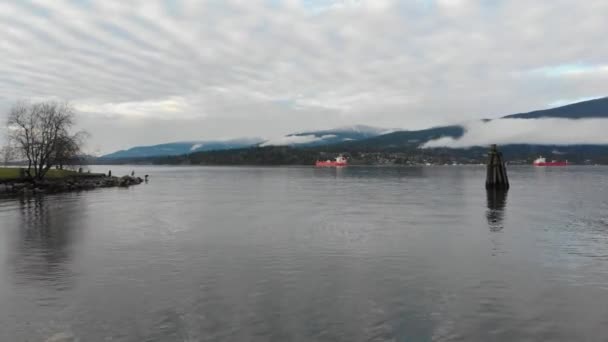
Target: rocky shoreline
column 76, row 183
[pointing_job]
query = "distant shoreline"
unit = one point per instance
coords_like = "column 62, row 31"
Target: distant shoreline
column 314, row 167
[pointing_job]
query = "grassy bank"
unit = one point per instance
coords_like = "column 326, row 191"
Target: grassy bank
column 13, row 173
column 9, row 173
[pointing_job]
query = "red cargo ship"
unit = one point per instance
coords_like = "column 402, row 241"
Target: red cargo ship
column 340, row 161
column 543, row 162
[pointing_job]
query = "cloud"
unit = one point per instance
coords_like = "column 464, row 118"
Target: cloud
column 296, row 139
column 219, row 69
column 170, row 108
column 196, row 147
column 572, row 70
column 563, row 102
column 292, row 140
column 528, row 131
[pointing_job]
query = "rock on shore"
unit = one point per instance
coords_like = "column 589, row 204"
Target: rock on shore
column 66, row 184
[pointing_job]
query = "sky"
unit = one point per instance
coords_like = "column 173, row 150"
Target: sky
column 155, row 71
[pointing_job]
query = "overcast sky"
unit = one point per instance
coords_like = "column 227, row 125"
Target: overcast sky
column 153, row 71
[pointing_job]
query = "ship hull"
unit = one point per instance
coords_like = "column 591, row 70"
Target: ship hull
column 329, row 164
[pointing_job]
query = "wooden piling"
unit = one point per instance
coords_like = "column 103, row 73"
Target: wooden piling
column 496, row 177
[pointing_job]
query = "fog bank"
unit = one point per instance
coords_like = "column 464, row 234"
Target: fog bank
column 528, row 131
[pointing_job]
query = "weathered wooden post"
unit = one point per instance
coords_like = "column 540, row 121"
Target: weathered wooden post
column 496, row 177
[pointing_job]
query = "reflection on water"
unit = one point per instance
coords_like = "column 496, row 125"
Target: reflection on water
column 497, row 200
column 44, row 238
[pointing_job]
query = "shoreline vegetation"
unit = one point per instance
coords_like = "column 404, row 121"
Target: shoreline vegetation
column 398, row 156
column 41, row 136
column 14, row 183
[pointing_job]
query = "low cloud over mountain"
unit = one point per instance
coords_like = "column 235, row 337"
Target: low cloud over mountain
column 548, row 131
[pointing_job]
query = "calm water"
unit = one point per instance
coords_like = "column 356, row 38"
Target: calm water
column 304, row 254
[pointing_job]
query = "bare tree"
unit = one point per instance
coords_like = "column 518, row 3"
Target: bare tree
column 7, row 153
column 40, row 132
column 68, row 151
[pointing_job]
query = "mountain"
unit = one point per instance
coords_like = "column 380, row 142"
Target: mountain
column 327, row 137
column 597, row 108
column 361, row 140
column 179, row 148
column 365, row 138
column 399, row 140
column 302, row 139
